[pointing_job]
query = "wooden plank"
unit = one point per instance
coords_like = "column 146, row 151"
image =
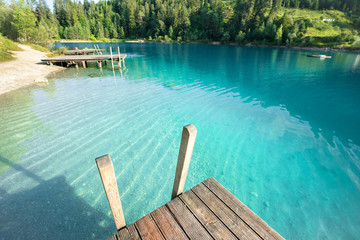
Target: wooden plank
column 148, row 229
column 248, row 216
column 113, row 237
column 112, row 60
column 83, row 58
column 123, row 234
column 186, row 148
column 128, row 233
column 236, row 225
column 213, row 225
column 133, row 232
column 82, row 51
column 107, row 174
column 167, row 224
column 119, row 57
column 188, row 222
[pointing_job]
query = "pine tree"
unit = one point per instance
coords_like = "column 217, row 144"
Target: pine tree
column 121, row 33
column 171, row 32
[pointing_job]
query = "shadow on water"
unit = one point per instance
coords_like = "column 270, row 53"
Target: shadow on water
column 48, row 211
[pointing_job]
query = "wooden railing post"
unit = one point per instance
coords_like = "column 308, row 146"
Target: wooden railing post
column 107, row 174
column 119, row 57
column 112, row 61
column 186, row 148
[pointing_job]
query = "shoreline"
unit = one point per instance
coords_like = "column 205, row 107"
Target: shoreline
column 26, row 69
column 326, row 49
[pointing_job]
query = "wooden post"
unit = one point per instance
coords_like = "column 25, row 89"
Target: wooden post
column 99, row 64
column 99, row 49
column 76, row 65
column 119, row 57
column 84, row 64
column 112, row 61
column 186, row 148
column 107, row 174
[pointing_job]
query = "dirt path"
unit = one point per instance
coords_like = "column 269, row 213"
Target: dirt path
column 24, row 70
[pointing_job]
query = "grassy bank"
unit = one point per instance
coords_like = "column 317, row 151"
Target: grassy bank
column 323, row 28
column 6, row 46
column 37, row 47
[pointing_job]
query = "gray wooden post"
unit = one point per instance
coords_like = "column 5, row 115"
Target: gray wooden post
column 112, row 61
column 107, row 174
column 186, row 148
column 119, row 57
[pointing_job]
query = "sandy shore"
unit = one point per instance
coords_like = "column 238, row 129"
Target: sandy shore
column 26, row 69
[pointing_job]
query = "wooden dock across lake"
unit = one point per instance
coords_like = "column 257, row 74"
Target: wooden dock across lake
column 83, row 51
column 75, row 59
column 207, row 211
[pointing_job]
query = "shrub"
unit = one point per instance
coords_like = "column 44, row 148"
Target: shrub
column 226, row 37
column 240, row 37
column 92, row 37
column 167, row 39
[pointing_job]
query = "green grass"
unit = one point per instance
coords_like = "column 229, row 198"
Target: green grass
column 37, row 47
column 321, row 33
column 6, row 46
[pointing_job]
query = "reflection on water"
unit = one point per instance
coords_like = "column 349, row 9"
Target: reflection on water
column 276, row 128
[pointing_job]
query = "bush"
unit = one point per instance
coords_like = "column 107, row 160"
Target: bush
column 159, row 38
column 226, row 37
column 92, row 37
column 240, row 37
column 167, row 39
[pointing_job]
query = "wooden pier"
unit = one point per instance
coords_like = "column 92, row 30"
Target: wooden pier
column 207, row 211
column 69, row 60
column 83, row 51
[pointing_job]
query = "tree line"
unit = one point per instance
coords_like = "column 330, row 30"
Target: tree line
column 180, row 20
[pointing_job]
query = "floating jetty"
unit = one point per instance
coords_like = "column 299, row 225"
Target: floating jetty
column 83, row 51
column 318, row 56
column 69, row 60
column 75, row 59
column 207, row 211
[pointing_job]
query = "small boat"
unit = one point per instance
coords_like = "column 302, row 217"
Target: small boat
column 319, row 56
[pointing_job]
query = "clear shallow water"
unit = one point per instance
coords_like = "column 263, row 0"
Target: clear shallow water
column 276, row 128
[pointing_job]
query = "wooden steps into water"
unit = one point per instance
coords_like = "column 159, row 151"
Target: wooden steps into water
column 207, row 211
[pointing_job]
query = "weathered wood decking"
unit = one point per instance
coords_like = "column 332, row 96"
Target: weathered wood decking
column 83, row 51
column 207, row 211
column 75, row 59
column 87, row 58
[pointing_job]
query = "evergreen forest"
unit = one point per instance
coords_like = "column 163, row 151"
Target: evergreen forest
column 333, row 23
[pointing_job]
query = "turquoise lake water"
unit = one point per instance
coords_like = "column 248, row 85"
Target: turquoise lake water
column 277, row 129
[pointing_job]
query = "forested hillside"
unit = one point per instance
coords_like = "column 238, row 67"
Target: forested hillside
column 274, row 22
